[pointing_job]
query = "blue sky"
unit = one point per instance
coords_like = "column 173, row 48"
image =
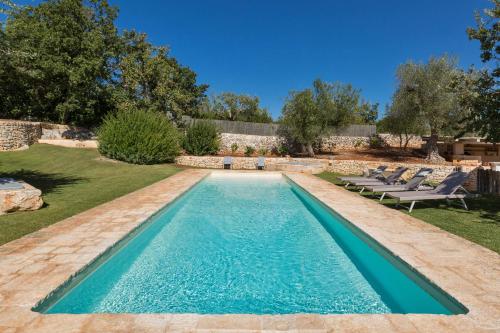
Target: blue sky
column 269, row 47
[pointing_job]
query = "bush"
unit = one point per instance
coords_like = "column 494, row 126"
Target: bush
column 202, row 139
column 359, row 143
column 263, row 151
column 234, row 147
column 282, row 150
column 140, row 137
column 376, row 142
column 249, row 150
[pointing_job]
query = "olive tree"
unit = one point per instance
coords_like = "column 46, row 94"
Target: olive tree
column 311, row 114
column 425, row 90
column 231, row 106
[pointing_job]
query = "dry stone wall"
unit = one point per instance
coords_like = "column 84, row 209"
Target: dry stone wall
column 15, row 134
column 345, row 167
column 257, row 142
column 18, row 134
column 59, row 132
column 338, row 143
column 327, row 145
column 393, row 140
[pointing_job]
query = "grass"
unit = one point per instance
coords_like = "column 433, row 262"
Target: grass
column 480, row 224
column 72, row 180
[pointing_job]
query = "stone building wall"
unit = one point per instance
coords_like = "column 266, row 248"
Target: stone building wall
column 16, row 134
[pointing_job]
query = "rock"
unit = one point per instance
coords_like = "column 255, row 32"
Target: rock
column 27, row 198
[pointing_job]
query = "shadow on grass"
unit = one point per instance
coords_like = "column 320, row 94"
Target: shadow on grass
column 489, row 206
column 46, row 182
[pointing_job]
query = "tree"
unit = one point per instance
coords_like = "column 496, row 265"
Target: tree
column 479, row 89
column 230, row 106
column 152, row 79
column 60, row 61
column 312, row 113
column 401, row 121
column 366, row 113
column 426, row 91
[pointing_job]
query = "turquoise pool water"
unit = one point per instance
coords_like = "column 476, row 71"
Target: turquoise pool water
column 249, row 244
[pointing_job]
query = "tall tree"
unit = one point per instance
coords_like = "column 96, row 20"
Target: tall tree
column 479, row 89
column 152, row 79
column 426, row 90
column 312, row 113
column 230, row 106
column 60, row 60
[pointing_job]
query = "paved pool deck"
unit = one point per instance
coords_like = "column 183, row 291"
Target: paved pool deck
column 35, row 265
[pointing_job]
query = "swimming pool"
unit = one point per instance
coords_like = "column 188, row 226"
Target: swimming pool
column 246, row 243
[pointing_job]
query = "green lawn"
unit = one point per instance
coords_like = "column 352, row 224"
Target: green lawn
column 72, row 180
column 481, row 224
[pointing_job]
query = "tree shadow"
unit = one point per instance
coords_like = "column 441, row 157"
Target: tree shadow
column 489, row 205
column 46, row 182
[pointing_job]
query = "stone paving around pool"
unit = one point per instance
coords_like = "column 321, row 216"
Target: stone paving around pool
column 33, row 266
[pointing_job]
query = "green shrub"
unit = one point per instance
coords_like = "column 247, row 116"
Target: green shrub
column 376, row 141
column 249, row 150
column 202, row 139
column 263, row 151
column 140, row 137
column 359, row 143
column 282, row 150
column 234, row 147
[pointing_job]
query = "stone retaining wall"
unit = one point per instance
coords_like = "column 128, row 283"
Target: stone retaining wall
column 336, row 143
column 240, row 163
column 393, row 140
column 18, row 134
column 327, row 145
column 346, row 167
column 269, row 143
column 59, row 132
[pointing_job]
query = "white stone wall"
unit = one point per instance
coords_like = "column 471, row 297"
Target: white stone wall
column 328, row 145
column 269, row 143
column 393, row 140
column 339, row 143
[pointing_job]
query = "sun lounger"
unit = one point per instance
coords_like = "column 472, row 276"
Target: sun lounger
column 261, row 163
column 389, row 180
column 414, row 184
column 450, row 188
column 228, row 161
column 373, row 174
